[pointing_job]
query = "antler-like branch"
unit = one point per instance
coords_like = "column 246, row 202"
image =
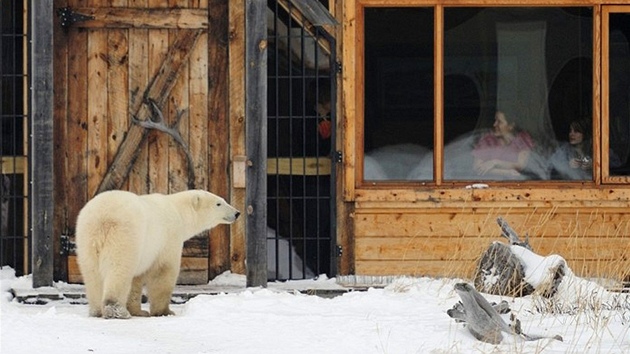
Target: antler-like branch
column 157, row 123
column 510, row 234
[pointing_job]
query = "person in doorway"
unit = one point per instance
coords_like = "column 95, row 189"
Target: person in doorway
column 324, row 125
column 504, row 152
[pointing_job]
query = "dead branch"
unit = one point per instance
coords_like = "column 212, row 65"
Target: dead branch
column 157, row 122
column 511, row 235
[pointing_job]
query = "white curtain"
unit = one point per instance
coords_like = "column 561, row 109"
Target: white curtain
column 522, row 77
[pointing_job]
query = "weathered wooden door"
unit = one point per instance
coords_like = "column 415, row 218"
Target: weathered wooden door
column 133, row 110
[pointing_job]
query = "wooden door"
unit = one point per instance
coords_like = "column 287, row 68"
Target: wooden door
column 131, row 77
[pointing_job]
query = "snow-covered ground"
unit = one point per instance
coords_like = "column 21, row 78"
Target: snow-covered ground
column 407, row 316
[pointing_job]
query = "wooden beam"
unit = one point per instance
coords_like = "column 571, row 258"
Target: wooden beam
column 217, row 117
column 303, row 22
column 13, row 165
column 256, row 137
column 236, row 107
column 299, row 166
column 42, row 201
column 162, row 18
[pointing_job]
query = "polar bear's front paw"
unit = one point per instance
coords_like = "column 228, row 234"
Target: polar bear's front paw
column 166, row 312
column 140, row 313
column 115, row 310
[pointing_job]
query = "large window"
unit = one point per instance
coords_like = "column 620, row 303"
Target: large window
column 511, row 99
column 617, row 93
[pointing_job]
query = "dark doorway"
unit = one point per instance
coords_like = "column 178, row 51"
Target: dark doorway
column 14, row 241
column 300, row 177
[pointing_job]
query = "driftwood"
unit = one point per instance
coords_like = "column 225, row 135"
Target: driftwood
column 515, row 270
column 483, row 320
column 157, row 122
column 500, row 271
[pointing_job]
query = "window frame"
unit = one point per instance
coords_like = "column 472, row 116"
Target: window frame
column 353, row 84
column 606, row 178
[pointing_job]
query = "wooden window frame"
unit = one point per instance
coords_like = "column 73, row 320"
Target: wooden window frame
column 353, row 91
column 605, row 75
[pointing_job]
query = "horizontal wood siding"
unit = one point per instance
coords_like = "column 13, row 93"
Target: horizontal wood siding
column 432, row 236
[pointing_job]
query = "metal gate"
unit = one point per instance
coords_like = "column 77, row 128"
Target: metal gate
column 14, row 235
column 300, row 124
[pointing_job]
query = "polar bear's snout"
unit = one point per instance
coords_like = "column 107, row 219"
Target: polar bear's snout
column 233, row 217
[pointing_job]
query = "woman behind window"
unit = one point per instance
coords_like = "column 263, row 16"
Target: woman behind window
column 504, row 152
column 573, row 158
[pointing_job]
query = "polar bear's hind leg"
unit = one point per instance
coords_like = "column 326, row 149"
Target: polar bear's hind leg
column 160, row 284
column 134, row 303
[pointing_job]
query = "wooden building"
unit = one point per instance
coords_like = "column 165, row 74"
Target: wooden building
column 412, row 86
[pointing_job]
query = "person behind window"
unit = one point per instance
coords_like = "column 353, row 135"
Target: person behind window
column 504, row 152
column 573, row 159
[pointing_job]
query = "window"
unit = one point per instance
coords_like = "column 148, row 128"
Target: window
column 513, row 90
column 616, row 93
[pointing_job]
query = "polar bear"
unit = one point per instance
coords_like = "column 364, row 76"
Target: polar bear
column 125, row 241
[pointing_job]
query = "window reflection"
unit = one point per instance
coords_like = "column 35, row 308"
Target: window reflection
column 398, row 135
column 531, row 66
column 531, row 69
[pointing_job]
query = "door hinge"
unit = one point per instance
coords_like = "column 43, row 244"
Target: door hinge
column 69, row 17
column 338, row 251
column 66, row 246
column 338, row 67
column 338, row 156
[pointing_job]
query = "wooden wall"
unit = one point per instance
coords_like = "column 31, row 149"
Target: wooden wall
column 444, row 232
column 441, row 228
column 108, row 70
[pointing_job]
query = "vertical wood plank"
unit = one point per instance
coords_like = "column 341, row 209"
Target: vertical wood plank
column 42, row 131
column 118, row 92
column 352, row 96
column 218, row 156
column 256, row 143
column 76, row 128
column 158, row 141
column 60, row 82
column 117, row 88
column 179, row 102
column 236, row 67
column 198, row 112
column 600, row 84
column 97, row 108
column 138, row 81
column 438, row 114
column 345, row 226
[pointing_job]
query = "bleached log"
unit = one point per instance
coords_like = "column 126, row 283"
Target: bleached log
column 483, row 320
column 500, row 272
column 515, row 270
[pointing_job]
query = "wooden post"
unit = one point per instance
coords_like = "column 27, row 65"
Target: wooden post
column 256, row 140
column 218, row 112
column 42, row 202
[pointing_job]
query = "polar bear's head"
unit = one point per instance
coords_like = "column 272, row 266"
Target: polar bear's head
column 211, row 209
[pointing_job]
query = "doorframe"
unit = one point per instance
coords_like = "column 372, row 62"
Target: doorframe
column 41, row 146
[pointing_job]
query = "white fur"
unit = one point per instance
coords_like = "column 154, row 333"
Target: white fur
column 125, row 241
